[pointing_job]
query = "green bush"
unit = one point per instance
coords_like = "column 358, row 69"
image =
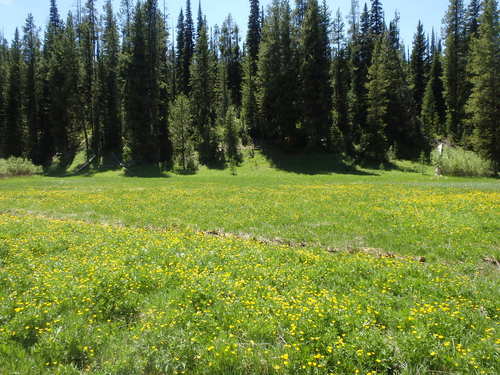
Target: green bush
column 18, row 167
column 459, row 162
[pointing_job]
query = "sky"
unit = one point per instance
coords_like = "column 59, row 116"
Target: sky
column 13, row 12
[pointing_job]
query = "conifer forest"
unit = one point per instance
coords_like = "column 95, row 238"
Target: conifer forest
column 121, row 85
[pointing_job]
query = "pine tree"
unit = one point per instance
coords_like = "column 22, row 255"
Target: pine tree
column 126, row 24
column 269, row 66
column 89, row 49
column 316, row 94
column 484, row 103
column 14, row 137
column 180, row 84
column 137, row 131
column 300, row 12
column 50, row 71
column 394, row 37
column 66, row 134
column 202, row 90
column 360, row 55
column 188, row 48
column 354, row 18
column 230, row 60
column 32, row 80
column 472, row 19
column 232, row 140
column 288, row 101
column 199, row 22
column 389, row 108
column 277, row 85
column 4, row 48
column 253, row 34
column 418, row 64
column 434, row 107
column 455, row 69
column 166, row 83
column 341, row 137
column 374, row 144
column 471, row 32
column 377, row 23
column 110, row 97
column 155, row 46
column 180, row 128
column 249, row 99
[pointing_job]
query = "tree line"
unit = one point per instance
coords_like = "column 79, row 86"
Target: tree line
column 123, row 86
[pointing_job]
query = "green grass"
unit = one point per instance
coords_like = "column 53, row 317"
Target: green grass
column 107, row 274
column 408, row 213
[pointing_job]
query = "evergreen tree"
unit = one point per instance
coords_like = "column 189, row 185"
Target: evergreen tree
column 418, row 64
column 288, row 114
column 390, row 107
column 484, row 103
column 434, row 107
column 188, row 51
column 354, row 18
column 51, row 73
column 269, row 65
column 249, row 99
column 341, row 136
column 180, row 83
column 136, row 102
column 126, row 24
column 166, row 82
column 200, row 22
column 89, row 49
column 394, row 37
column 377, row 23
column 472, row 19
column 14, row 137
column 455, row 69
column 110, row 97
column 374, row 144
column 300, row 12
column 360, row 53
column 66, row 133
column 230, row 60
column 253, row 34
column 202, row 90
column 32, row 56
column 4, row 50
column 471, row 32
column 316, row 97
column 155, row 40
column 180, row 128
column 232, row 140
column 277, row 86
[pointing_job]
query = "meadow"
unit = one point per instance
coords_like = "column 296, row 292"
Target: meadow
column 358, row 272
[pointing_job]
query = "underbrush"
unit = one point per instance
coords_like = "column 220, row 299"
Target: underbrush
column 461, row 163
column 18, row 167
column 78, row 297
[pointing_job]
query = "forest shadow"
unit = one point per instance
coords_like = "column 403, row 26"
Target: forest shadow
column 146, row 171
column 315, row 163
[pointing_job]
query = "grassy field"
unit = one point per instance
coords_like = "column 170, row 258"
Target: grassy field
column 107, row 274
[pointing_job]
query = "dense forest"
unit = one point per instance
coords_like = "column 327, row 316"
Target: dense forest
column 123, row 86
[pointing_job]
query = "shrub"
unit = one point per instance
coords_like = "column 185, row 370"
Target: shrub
column 18, row 167
column 459, row 162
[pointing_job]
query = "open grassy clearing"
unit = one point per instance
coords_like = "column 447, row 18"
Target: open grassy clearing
column 78, row 297
column 81, row 294
column 407, row 213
